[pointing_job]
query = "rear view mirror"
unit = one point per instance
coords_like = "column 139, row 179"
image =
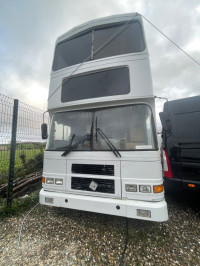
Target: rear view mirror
column 44, row 131
column 164, row 118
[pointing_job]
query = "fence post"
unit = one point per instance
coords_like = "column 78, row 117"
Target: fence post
column 12, row 153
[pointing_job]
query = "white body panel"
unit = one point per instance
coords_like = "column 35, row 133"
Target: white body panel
column 140, row 85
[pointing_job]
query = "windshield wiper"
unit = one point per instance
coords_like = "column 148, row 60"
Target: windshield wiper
column 70, row 144
column 82, row 140
column 109, row 143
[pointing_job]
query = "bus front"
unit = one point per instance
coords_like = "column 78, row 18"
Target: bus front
column 102, row 154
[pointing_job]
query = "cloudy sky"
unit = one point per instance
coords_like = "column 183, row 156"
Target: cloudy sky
column 29, row 28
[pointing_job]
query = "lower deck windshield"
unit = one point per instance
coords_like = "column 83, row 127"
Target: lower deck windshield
column 127, row 128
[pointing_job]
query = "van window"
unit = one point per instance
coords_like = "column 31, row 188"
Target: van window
column 188, row 125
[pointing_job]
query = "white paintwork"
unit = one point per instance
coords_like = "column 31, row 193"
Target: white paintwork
column 140, row 85
column 134, row 167
column 128, row 208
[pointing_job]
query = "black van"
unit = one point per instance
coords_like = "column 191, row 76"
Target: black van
column 181, row 143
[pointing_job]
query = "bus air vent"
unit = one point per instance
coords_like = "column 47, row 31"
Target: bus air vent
column 103, row 185
column 93, row 169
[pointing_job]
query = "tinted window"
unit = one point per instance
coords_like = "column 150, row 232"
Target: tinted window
column 72, row 51
column 188, row 125
column 99, row 84
column 129, row 40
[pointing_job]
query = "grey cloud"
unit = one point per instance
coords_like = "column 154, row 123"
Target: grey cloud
column 29, row 30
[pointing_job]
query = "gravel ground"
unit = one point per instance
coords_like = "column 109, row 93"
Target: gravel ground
column 56, row 236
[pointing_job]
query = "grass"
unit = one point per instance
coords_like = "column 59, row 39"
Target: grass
column 5, row 158
column 19, row 205
column 24, row 156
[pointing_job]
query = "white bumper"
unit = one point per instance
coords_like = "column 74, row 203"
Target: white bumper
column 119, row 207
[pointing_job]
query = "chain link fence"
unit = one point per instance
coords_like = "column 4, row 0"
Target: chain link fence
column 20, row 138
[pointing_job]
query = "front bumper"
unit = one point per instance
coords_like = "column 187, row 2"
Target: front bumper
column 119, row 207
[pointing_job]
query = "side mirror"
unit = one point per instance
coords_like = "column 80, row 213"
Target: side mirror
column 44, row 131
column 164, row 118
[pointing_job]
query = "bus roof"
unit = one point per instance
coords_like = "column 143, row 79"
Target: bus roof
column 98, row 22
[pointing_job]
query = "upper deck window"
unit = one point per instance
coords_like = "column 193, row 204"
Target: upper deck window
column 99, row 84
column 75, row 50
column 128, row 41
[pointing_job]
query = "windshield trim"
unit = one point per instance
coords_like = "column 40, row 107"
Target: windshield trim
column 110, row 107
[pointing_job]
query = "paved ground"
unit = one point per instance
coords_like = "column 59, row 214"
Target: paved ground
column 55, row 236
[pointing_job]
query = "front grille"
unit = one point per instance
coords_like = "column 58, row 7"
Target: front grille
column 93, row 169
column 103, row 185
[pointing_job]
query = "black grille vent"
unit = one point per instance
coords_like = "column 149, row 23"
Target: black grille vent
column 103, row 185
column 93, row 169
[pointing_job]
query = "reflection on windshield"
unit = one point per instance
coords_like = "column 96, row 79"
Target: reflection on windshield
column 126, row 127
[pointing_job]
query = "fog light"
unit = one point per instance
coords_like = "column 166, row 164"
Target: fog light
column 145, row 189
column 144, row 213
column 49, row 200
column 49, row 180
column 131, row 188
column 58, row 181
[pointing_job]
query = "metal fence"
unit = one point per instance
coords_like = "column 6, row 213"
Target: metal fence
column 21, row 146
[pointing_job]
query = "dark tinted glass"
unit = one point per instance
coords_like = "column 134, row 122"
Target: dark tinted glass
column 188, row 126
column 129, row 40
column 72, row 51
column 99, row 84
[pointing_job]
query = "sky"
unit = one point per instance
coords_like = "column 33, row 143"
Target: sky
column 29, row 29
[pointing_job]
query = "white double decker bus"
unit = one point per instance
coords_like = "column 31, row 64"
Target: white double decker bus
column 102, row 153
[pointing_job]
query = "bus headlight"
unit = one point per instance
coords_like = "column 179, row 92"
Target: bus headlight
column 145, row 189
column 49, row 180
column 58, row 181
column 131, row 188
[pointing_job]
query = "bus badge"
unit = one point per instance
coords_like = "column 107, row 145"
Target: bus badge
column 93, row 185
